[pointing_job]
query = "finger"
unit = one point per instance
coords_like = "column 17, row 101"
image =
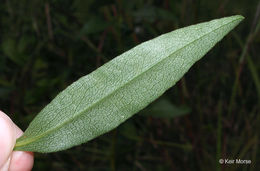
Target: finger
column 21, row 160
column 7, row 140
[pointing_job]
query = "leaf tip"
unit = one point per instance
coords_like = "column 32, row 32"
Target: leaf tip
column 240, row 17
column 236, row 19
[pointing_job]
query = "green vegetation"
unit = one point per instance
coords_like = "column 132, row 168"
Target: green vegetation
column 100, row 101
column 47, row 45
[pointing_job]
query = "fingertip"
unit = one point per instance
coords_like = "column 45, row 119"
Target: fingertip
column 8, row 139
column 21, row 160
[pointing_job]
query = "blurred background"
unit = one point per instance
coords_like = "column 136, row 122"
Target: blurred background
column 212, row 113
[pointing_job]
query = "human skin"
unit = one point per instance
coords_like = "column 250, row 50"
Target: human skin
column 12, row 160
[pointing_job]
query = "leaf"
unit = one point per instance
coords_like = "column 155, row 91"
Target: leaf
column 9, row 49
column 100, row 101
column 163, row 108
column 151, row 13
column 128, row 130
column 94, row 25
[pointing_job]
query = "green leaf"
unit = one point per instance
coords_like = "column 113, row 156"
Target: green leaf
column 94, row 25
column 100, row 101
column 163, row 108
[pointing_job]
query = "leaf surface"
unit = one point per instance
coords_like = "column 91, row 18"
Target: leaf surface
column 101, row 100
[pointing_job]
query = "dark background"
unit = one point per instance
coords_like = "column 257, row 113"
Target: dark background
column 46, row 45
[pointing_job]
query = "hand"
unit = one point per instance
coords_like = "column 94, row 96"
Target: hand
column 12, row 160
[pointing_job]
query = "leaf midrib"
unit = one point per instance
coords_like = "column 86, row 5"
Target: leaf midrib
column 35, row 138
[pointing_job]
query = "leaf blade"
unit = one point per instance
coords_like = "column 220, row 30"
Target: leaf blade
column 100, row 101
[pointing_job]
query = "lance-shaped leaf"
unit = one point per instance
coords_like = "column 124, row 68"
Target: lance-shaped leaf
column 100, row 101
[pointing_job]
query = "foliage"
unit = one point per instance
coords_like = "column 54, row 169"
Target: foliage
column 100, row 101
